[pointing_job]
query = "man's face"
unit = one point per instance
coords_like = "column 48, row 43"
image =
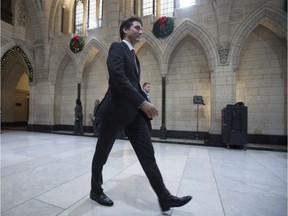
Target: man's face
column 134, row 33
column 147, row 88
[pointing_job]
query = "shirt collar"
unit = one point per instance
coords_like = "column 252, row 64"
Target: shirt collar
column 128, row 44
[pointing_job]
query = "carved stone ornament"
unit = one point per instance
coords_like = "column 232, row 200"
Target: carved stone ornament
column 223, row 53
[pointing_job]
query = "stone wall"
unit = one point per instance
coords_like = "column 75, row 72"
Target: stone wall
column 225, row 51
column 262, row 82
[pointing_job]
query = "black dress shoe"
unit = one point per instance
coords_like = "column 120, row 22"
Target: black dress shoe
column 102, row 199
column 173, row 201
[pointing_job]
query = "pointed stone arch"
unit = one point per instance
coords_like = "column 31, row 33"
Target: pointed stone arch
column 26, row 50
column 59, row 56
column 25, row 58
column 269, row 16
column 152, row 41
column 91, row 44
column 157, row 52
column 187, row 27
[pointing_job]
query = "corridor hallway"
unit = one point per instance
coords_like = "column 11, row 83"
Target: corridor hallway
column 44, row 174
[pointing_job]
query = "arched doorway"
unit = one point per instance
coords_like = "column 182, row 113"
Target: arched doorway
column 15, row 77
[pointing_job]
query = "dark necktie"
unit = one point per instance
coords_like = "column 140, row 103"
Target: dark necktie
column 134, row 56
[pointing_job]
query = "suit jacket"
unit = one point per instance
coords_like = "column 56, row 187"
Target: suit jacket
column 124, row 94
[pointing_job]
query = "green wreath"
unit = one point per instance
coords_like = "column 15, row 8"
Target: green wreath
column 77, row 44
column 163, row 27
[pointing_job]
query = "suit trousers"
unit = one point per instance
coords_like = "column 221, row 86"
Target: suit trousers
column 139, row 135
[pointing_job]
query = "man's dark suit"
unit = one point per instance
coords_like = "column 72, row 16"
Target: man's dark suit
column 120, row 110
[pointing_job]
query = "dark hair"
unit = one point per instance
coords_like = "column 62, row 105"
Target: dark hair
column 146, row 83
column 127, row 24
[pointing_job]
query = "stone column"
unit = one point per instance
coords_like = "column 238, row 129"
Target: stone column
column 41, row 104
column 223, row 92
column 111, row 17
column 79, row 90
column 223, row 78
column 163, row 124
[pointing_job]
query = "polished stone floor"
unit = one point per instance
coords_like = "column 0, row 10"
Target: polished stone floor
column 46, row 174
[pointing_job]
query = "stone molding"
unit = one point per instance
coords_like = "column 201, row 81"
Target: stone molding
column 268, row 13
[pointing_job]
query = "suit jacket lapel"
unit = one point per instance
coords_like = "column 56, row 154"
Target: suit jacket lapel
column 132, row 60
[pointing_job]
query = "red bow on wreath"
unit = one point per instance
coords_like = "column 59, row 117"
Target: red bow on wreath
column 162, row 22
column 75, row 39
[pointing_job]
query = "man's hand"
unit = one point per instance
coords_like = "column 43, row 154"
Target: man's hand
column 149, row 109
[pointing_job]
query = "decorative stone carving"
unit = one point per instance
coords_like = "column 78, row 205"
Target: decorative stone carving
column 223, row 51
column 21, row 18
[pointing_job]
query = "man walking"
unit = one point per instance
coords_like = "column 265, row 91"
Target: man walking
column 124, row 107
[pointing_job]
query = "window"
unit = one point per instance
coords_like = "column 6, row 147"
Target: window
column 160, row 7
column 79, row 13
column 91, row 15
column 167, row 8
column 148, row 7
column 157, row 7
column 94, row 15
column 186, row 3
column 91, row 10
